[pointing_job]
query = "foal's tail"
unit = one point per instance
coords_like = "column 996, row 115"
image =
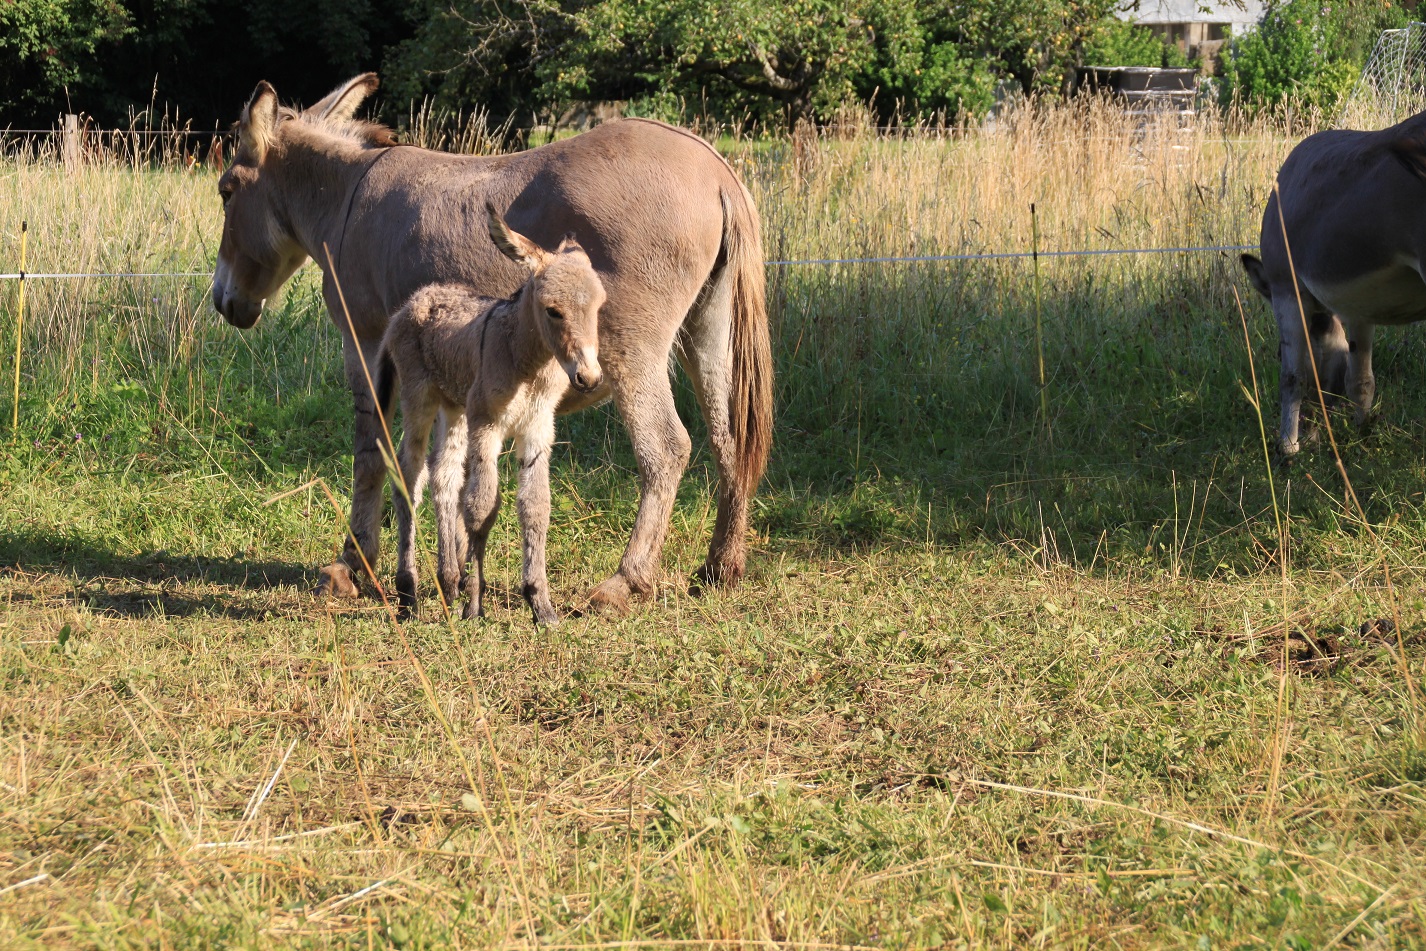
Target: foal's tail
column 750, row 402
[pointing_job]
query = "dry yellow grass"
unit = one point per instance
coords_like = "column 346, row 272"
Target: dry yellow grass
column 981, row 688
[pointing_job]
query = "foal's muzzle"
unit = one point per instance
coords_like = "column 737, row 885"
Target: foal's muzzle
column 586, row 380
column 585, row 373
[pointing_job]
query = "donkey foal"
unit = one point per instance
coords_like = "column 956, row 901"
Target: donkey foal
column 490, row 369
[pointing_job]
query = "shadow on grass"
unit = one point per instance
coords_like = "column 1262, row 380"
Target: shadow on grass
column 136, row 585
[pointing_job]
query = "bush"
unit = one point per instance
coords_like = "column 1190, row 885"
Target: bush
column 1118, row 43
column 1305, row 52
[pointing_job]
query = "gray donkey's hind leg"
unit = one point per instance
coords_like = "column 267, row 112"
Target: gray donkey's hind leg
column 705, row 350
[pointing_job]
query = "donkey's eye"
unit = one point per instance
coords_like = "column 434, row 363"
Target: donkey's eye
column 225, row 194
column 554, row 314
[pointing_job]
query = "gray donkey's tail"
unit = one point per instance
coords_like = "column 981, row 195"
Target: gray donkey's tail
column 750, row 402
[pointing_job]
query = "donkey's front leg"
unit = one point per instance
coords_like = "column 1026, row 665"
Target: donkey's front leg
column 533, row 501
column 482, row 503
column 1296, row 370
column 363, row 544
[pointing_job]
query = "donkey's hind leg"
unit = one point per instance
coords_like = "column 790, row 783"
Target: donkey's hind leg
column 447, row 478
column 418, row 413
column 705, row 351
column 640, row 383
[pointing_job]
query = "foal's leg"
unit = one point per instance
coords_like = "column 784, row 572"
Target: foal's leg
column 1361, row 383
column 447, row 479
column 418, row 412
column 533, row 502
column 482, row 502
column 640, row 384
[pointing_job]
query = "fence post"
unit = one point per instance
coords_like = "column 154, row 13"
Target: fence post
column 70, row 149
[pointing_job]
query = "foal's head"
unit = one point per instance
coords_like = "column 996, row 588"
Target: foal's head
column 562, row 298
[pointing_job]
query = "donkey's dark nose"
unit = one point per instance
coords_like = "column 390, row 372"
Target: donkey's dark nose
column 586, row 380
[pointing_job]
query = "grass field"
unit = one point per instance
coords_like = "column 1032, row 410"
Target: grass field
column 996, row 677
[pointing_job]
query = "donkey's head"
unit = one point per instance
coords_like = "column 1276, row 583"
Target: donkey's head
column 562, row 297
column 259, row 251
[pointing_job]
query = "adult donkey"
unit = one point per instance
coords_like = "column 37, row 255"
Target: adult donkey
column 667, row 224
column 1353, row 206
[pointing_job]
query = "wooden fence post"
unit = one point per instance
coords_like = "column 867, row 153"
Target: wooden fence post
column 70, row 149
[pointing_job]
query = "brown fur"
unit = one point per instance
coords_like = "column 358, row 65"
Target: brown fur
column 668, row 226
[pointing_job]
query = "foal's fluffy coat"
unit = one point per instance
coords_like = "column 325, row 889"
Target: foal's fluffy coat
column 490, row 369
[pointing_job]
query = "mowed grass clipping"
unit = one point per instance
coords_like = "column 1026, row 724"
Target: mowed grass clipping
column 994, row 679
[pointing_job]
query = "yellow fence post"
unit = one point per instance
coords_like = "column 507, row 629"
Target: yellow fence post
column 19, row 333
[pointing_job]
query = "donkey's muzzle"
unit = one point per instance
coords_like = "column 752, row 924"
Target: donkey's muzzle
column 238, row 311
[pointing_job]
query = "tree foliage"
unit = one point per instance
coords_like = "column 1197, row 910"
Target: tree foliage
column 743, row 57
column 197, row 58
column 1120, row 43
column 1306, row 51
column 49, row 46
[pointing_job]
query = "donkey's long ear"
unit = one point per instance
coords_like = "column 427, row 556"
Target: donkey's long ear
column 1256, row 277
column 513, row 244
column 341, row 103
column 259, row 122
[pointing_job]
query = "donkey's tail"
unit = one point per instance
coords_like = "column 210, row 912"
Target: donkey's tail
column 750, row 400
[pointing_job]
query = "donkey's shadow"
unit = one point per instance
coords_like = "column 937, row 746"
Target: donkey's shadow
column 72, row 569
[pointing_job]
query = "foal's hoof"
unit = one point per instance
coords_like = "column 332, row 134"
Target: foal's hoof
column 336, row 581
column 610, row 596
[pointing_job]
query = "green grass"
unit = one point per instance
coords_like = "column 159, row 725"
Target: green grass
column 992, row 680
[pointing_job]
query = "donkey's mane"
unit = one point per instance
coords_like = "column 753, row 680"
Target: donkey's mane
column 372, row 135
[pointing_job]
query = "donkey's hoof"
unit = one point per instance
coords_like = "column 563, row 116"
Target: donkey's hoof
column 336, row 581
column 610, row 596
column 546, row 617
column 715, row 576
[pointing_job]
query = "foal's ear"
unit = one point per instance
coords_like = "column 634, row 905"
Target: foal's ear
column 259, row 122
column 341, row 103
column 513, row 244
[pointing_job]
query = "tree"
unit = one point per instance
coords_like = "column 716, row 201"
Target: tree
column 197, row 58
column 794, row 59
column 1306, row 51
column 50, row 46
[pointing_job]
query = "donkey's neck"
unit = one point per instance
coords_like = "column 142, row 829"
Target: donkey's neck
column 319, row 177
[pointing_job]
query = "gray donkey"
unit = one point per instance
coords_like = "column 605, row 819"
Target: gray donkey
column 490, row 369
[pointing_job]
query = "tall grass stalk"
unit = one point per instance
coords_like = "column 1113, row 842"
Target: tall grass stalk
column 19, row 332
